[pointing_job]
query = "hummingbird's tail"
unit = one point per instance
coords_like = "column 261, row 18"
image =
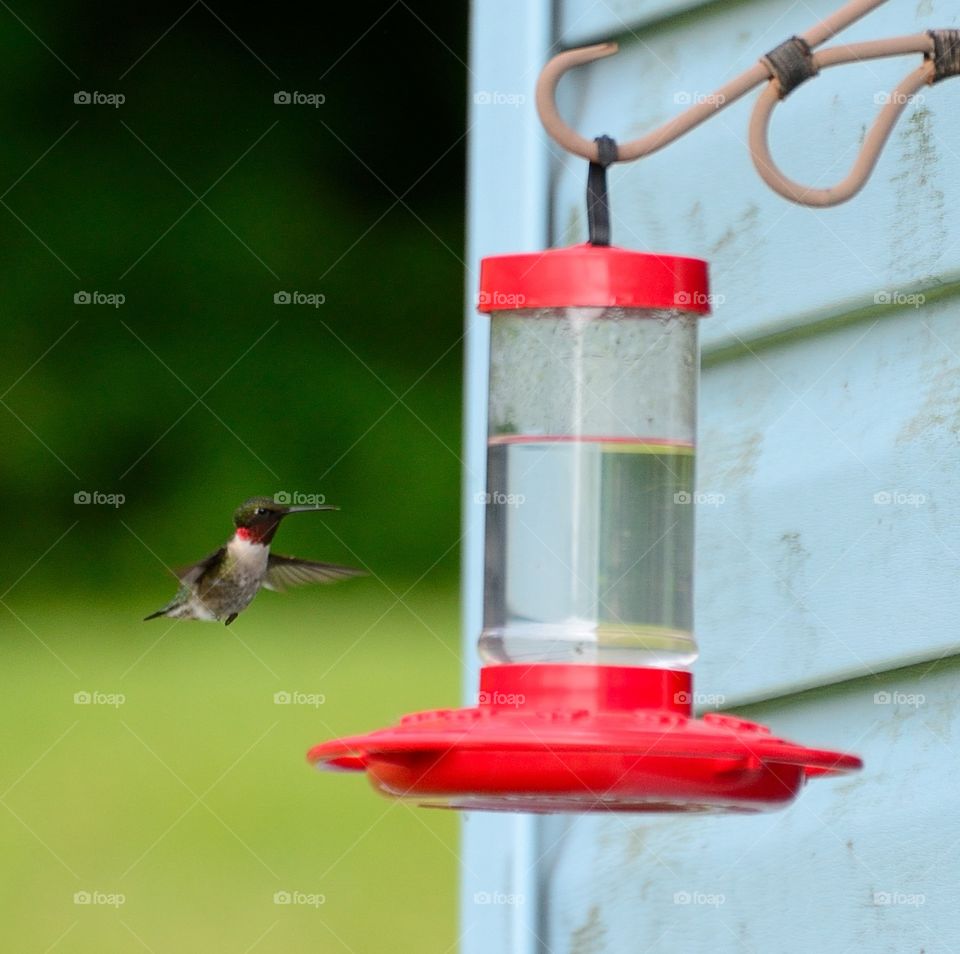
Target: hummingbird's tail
column 182, row 606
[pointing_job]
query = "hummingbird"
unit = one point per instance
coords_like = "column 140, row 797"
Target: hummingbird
column 223, row 584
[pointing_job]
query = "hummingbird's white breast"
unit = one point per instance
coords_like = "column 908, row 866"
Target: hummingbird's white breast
column 248, row 566
column 248, row 556
column 245, row 567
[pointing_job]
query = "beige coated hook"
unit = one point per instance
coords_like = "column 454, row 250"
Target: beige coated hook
column 758, row 74
column 573, row 142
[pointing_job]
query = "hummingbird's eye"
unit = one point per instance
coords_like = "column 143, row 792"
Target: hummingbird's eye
column 261, row 512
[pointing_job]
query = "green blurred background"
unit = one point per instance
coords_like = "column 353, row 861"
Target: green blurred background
column 182, row 784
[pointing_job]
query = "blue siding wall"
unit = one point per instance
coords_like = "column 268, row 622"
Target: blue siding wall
column 828, row 590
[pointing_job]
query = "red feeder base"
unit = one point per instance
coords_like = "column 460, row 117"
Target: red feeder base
column 572, row 738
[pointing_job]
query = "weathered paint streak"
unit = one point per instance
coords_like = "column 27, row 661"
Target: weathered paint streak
column 920, row 227
column 589, row 937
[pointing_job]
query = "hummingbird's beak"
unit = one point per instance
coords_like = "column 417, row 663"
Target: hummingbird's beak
column 306, row 508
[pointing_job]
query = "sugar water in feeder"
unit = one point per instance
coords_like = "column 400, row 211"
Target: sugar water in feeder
column 589, row 486
column 590, row 473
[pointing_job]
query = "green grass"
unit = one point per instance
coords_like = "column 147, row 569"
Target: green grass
column 193, row 799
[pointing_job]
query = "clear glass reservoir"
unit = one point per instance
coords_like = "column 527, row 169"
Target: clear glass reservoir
column 590, row 478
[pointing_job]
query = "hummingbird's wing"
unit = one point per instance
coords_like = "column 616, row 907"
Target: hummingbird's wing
column 283, row 572
column 190, row 574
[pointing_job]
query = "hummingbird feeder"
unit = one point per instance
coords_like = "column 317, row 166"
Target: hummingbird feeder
column 585, row 697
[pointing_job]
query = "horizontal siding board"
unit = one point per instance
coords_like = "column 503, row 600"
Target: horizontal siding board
column 803, row 577
column 582, row 21
column 814, row 877
column 774, row 264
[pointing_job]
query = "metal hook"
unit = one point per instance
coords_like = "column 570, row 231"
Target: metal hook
column 546, row 98
column 866, row 159
column 573, row 142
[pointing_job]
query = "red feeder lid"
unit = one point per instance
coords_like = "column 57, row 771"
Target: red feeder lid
column 569, row 738
column 593, row 276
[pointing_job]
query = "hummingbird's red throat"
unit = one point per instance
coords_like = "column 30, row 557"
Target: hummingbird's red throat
column 257, row 535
